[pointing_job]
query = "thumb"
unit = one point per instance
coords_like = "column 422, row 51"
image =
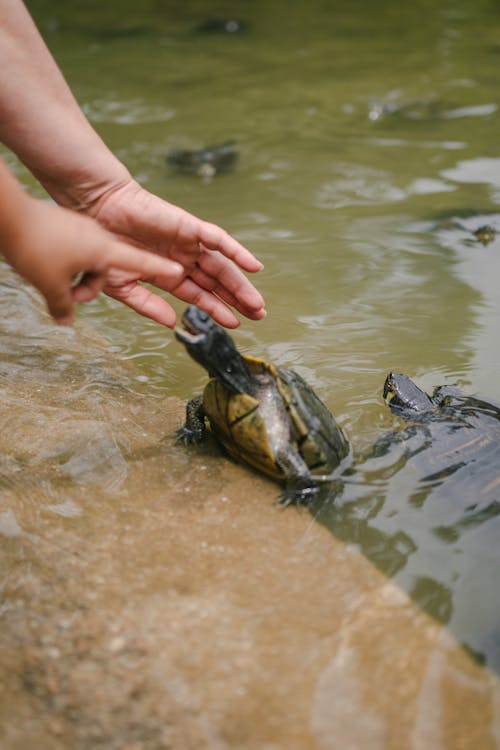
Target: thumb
column 60, row 306
column 88, row 287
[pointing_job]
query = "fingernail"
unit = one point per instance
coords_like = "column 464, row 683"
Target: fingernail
column 176, row 267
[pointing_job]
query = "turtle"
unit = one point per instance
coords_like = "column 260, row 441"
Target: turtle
column 457, row 442
column 441, row 460
column 204, row 162
column 218, row 25
column 263, row 415
column 422, row 503
column 485, row 234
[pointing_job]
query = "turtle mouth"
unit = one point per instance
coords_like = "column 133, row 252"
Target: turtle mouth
column 188, row 334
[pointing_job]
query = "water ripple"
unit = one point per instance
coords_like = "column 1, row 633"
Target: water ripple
column 130, row 112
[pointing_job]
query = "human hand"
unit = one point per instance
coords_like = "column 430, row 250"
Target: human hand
column 211, row 260
column 43, row 124
column 51, row 245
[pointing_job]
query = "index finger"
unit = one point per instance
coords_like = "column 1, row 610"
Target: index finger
column 143, row 262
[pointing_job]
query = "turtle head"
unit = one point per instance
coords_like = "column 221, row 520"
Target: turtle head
column 213, row 348
column 402, row 395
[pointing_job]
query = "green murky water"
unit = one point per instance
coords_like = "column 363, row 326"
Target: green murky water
column 368, row 155
column 366, row 268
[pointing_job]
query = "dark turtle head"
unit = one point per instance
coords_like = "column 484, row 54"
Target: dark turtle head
column 402, row 395
column 213, row 348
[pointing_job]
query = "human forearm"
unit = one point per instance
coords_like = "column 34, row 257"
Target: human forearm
column 41, row 121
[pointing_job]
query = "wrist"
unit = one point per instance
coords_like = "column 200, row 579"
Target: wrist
column 81, row 183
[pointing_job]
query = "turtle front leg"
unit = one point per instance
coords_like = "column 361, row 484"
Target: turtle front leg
column 194, row 427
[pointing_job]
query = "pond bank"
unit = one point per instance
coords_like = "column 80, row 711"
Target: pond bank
column 158, row 597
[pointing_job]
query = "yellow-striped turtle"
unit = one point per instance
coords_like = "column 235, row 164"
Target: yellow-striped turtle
column 265, row 416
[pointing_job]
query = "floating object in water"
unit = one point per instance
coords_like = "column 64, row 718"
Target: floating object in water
column 424, row 109
column 204, row 162
column 223, row 26
column 485, row 234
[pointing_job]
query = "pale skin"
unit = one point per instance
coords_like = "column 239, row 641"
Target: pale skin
column 105, row 225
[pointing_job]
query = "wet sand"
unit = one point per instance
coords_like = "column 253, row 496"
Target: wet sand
column 156, row 596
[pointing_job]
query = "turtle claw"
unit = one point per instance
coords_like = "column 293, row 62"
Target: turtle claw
column 293, row 495
column 186, row 436
column 319, row 490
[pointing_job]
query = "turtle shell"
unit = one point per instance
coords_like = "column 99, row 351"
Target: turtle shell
column 285, row 416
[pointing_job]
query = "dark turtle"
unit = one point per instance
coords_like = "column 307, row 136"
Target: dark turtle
column 204, row 162
column 448, row 436
column 216, row 25
column 265, row 416
column 423, row 505
column 485, row 234
column 437, row 474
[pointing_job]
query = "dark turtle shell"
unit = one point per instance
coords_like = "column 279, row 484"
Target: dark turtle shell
column 205, row 162
column 286, row 417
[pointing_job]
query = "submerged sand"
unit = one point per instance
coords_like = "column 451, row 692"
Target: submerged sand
column 156, row 596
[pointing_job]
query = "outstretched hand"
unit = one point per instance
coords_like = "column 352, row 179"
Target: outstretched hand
column 212, row 261
column 50, row 246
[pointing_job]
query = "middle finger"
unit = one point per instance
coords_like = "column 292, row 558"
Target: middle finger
column 229, row 277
